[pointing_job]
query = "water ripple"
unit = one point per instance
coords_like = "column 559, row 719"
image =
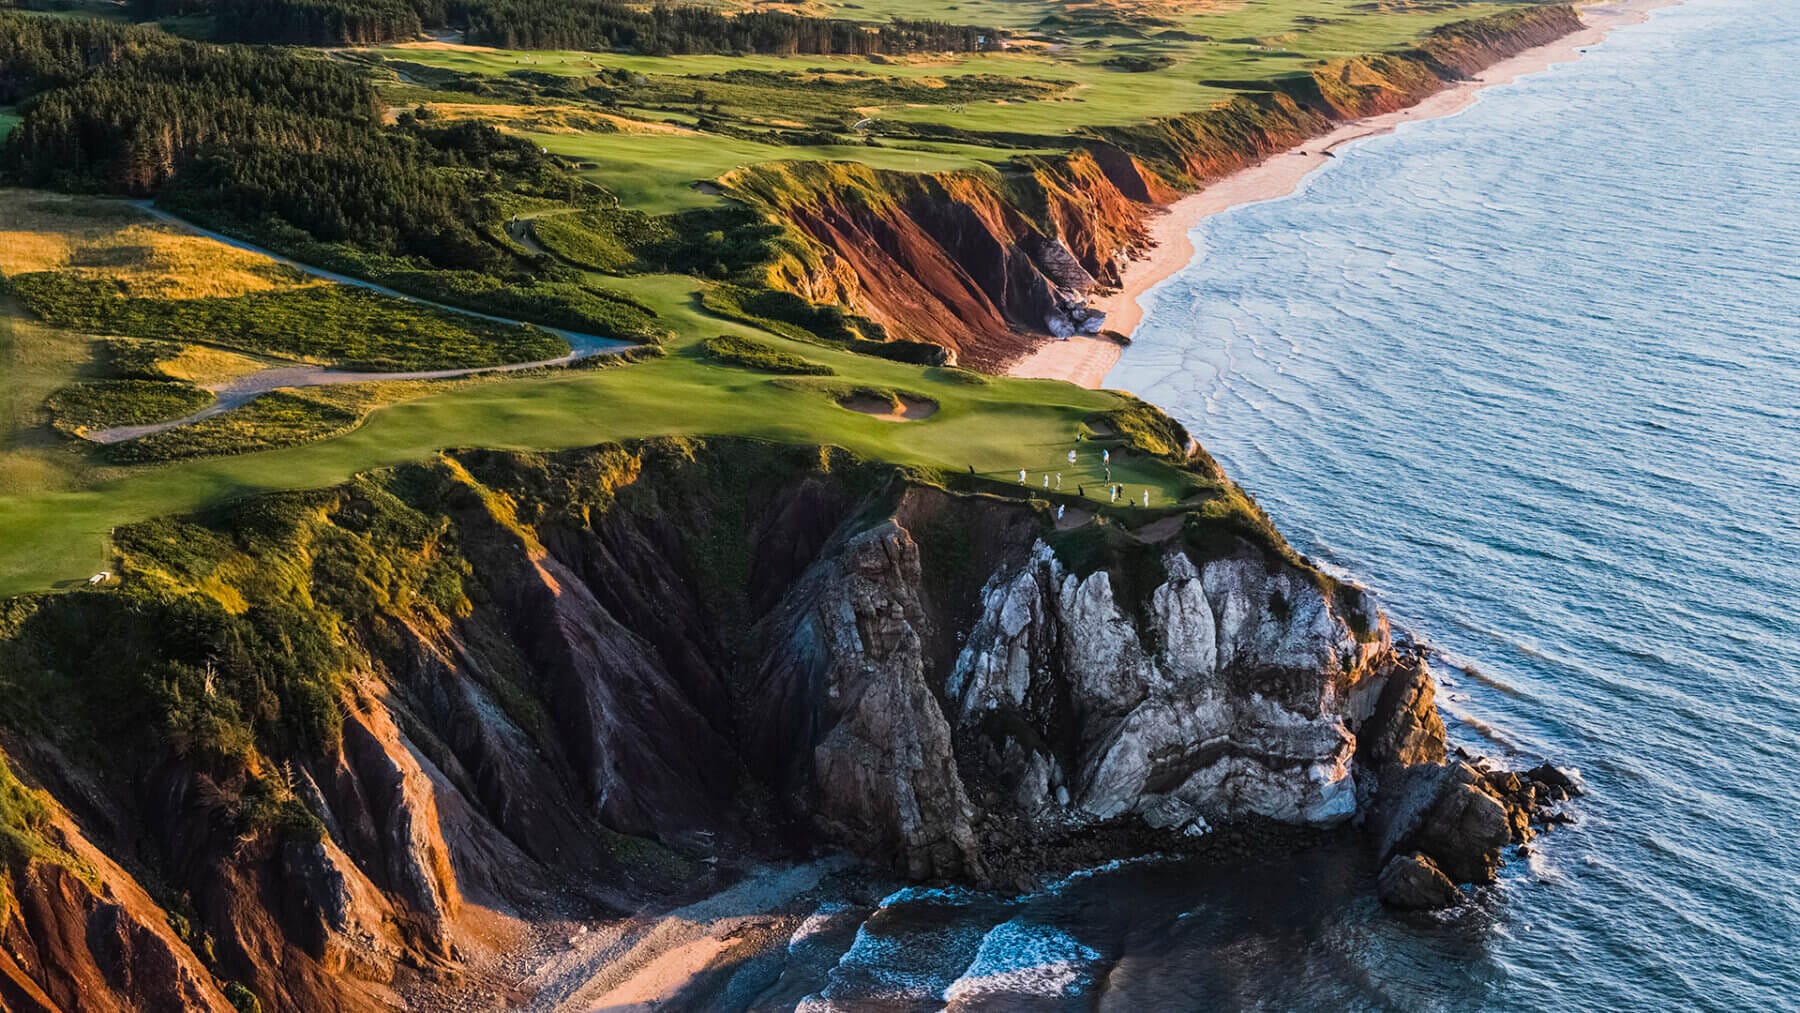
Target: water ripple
column 1533, row 373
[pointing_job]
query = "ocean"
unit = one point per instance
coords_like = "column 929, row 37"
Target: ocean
column 1532, row 373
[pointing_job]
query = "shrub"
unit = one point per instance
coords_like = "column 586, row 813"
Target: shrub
column 106, row 403
column 1139, row 64
column 336, row 323
column 760, row 355
column 1147, row 429
column 242, row 999
column 23, row 816
column 277, row 419
column 138, row 360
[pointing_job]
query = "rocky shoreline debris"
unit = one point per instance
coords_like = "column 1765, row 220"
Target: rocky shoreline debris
column 1450, row 824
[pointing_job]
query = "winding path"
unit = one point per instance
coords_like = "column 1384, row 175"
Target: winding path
column 235, row 393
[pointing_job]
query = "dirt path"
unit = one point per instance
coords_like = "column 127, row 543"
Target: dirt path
column 581, row 344
column 242, row 390
column 235, row 393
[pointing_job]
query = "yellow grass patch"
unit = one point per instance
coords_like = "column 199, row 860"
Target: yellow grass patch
column 454, row 47
column 203, row 365
column 112, row 240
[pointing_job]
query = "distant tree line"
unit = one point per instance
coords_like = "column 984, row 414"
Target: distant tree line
column 251, row 134
column 661, row 29
column 317, row 22
column 39, row 54
column 669, row 29
column 305, row 22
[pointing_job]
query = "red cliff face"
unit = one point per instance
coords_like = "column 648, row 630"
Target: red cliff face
column 953, row 258
column 987, row 264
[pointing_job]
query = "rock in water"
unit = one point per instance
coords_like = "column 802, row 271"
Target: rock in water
column 1465, row 832
column 1415, row 883
column 1568, row 781
column 1448, row 813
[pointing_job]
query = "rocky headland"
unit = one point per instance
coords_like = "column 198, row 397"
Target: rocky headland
column 338, row 749
column 330, row 748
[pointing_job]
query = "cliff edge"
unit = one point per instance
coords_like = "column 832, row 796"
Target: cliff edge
column 325, row 749
column 989, row 264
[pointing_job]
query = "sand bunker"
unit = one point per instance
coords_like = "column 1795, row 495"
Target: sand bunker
column 900, row 408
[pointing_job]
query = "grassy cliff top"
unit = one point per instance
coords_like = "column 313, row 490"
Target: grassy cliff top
column 102, row 321
column 60, row 499
column 1082, row 64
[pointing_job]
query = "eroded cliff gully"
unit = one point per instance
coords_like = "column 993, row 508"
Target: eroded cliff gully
column 322, row 748
column 988, row 264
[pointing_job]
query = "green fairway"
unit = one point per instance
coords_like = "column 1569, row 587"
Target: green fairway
column 657, row 172
column 51, row 536
column 1244, row 43
column 653, row 130
column 8, row 120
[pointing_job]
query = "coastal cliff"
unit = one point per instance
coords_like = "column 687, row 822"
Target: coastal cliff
column 987, row 264
column 335, row 747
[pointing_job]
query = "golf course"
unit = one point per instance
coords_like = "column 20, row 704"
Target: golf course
column 643, row 194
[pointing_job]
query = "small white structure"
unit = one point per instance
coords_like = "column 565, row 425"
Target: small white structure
column 100, row 578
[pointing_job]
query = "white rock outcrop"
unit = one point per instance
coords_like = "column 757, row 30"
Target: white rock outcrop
column 1219, row 697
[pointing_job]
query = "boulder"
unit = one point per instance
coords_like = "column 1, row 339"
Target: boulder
column 1447, row 813
column 1569, row 781
column 1405, row 728
column 1413, row 882
column 1464, row 833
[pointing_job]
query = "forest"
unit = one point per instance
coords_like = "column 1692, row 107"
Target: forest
column 662, row 29
column 665, row 30
column 290, row 148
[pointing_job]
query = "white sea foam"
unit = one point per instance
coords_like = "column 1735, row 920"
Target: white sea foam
column 915, row 964
column 1019, row 958
column 816, row 924
column 1059, row 886
column 949, row 895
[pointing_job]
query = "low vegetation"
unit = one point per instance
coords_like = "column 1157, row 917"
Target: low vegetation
column 278, row 419
column 719, row 242
column 760, row 355
column 786, row 314
column 326, row 323
column 23, row 816
column 144, row 359
column 103, row 404
column 116, row 244
column 1143, row 428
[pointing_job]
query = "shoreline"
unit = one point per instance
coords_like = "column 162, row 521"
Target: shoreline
column 1086, row 360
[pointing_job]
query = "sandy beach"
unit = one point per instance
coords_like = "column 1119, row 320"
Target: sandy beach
column 1086, row 360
